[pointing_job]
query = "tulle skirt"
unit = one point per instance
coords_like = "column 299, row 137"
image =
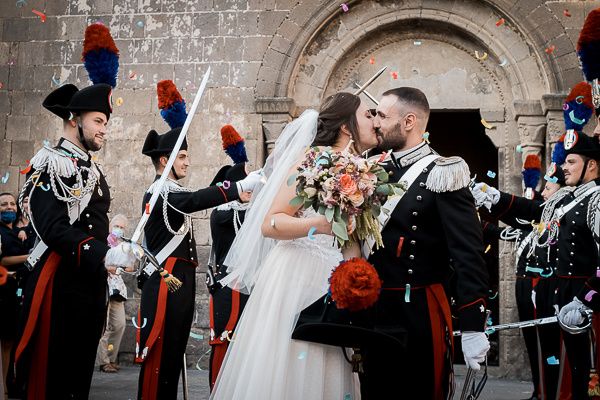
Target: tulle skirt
column 263, row 362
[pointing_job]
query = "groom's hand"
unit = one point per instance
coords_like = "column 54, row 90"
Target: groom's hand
column 475, row 346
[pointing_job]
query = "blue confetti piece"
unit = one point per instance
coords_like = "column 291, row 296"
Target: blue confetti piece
column 21, row 3
column 417, row 43
column 552, row 361
column 551, row 179
column 196, row 336
column 5, row 177
column 347, row 396
column 45, row 187
column 519, row 148
column 426, row 137
column 19, row 292
column 489, row 321
column 302, row 355
column 491, row 174
column 311, row 233
column 140, row 24
column 136, row 325
column 55, row 81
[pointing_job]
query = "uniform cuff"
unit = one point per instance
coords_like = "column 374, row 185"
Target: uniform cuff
column 91, row 253
column 472, row 316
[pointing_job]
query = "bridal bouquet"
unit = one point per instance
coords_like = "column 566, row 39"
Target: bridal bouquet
column 347, row 189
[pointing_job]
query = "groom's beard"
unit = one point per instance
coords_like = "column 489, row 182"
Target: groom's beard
column 395, row 139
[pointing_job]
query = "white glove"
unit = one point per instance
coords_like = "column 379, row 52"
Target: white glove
column 572, row 314
column 249, row 183
column 120, row 256
column 485, row 195
column 475, row 346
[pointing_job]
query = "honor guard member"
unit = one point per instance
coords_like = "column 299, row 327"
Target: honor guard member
column 65, row 298
column 225, row 305
column 436, row 212
column 165, row 317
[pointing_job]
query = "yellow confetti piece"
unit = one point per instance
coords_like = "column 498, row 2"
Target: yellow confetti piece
column 119, row 102
column 481, row 57
column 484, row 188
column 489, row 246
column 110, row 347
column 486, row 124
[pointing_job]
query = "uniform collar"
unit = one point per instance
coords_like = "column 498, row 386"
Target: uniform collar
column 73, row 149
column 582, row 188
column 412, row 155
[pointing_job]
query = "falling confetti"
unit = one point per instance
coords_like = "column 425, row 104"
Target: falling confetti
column 147, row 210
column 489, row 246
column 311, row 233
column 5, row 177
column 519, row 148
column 110, row 347
column 196, row 336
column 140, row 24
column 491, row 174
column 394, row 74
column 484, row 188
column 486, row 124
column 132, row 75
column 417, row 43
column 566, row 13
column 302, row 355
column 39, row 14
column 481, row 57
column 550, row 49
column 55, row 80
column 552, row 361
column 344, row 7
column 347, row 396
column 503, row 62
column 26, row 169
column 426, row 137
column 21, row 3
column 133, row 321
column 1, row 85
column 500, row 22
column 45, row 187
column 372, row 60
column 119, row 102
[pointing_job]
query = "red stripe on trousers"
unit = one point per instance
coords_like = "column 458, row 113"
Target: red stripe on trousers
column 440, row 317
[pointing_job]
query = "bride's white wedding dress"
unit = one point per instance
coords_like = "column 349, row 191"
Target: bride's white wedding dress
column 263, row 362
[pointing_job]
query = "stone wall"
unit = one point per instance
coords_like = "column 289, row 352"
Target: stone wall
column 271, row 59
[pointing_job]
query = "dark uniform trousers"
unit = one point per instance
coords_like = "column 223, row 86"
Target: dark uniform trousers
column 65, row 297
column 576, row 261
column 165, row 318
column 427, row 233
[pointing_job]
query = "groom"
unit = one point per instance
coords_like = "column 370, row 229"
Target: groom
column 432, row 233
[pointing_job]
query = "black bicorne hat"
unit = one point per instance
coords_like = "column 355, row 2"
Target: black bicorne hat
column 157, row 145
column 67, row 100
column 582, row 144
column 232, row 173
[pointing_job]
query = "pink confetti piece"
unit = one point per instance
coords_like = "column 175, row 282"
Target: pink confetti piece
column 344, row 7
column 589, row 295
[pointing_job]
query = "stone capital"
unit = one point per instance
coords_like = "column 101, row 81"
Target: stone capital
column 527, row 108
column 274, row 105
column 552, row 102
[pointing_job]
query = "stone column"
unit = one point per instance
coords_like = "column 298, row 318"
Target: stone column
column 276, row 113
column 531, row 124
column 552, row 108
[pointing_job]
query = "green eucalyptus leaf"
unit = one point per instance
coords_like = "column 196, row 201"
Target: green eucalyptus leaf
column 297, row 201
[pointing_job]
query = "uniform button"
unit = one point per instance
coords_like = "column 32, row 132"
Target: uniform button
column 422, row 184
column 414, row 227
column 410, row 271
column 190, row 249
column 413, row 242
column 576, row 212
column 87, row 215
column 570, row 264
column 572, row 253
column 192, row 258
column 411, row 257
column 419, row 198
column 90, row 226
column 570, row 273
column 572, row 244
column 425, row 170
column 415, row 213
column 573, row 221
column 572, row 233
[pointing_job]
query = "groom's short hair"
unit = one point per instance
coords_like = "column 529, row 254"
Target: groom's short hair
column 412, row 97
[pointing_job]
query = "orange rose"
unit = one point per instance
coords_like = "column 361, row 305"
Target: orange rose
column 347, row 184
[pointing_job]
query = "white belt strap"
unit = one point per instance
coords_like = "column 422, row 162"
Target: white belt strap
column 165, row 253
column 408, row 178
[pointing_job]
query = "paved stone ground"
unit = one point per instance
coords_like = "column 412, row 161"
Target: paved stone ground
column 123, row 386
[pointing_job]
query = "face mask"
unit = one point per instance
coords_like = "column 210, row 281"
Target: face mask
column 118, row 232
column 8, row 217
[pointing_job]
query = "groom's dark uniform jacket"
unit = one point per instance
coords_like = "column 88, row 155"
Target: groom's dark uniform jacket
column 433, row 232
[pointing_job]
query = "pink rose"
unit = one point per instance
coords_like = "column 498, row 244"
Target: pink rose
column 356, row 198
column 347, row 185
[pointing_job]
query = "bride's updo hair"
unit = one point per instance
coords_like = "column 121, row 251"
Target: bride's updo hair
column 337, row 110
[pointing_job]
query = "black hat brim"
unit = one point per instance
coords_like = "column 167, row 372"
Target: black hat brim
column 221, row 175
column 157, row 145
column 58, row 100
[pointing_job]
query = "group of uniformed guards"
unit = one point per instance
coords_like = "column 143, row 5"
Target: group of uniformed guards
column 557, row 257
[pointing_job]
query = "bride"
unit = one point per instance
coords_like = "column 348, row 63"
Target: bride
column 286, row 269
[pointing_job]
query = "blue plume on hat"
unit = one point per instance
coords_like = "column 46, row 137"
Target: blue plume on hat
column 532, row 171
column 559, row 154
column 233, row 144
column 100, row 55
column 171, row 104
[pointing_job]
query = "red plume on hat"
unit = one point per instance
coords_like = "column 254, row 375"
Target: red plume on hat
column 100, row 55
column 233, row 144
column 171, row 104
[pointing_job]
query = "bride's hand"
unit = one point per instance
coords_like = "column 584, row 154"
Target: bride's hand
column 322, row 225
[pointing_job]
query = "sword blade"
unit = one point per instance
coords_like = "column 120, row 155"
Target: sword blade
column 516, row 325
column 356, row 85
column 371, row 80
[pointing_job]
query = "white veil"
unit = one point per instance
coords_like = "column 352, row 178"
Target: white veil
column 250, row 247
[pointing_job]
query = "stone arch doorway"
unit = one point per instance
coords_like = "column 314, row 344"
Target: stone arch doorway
column 512, row 82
